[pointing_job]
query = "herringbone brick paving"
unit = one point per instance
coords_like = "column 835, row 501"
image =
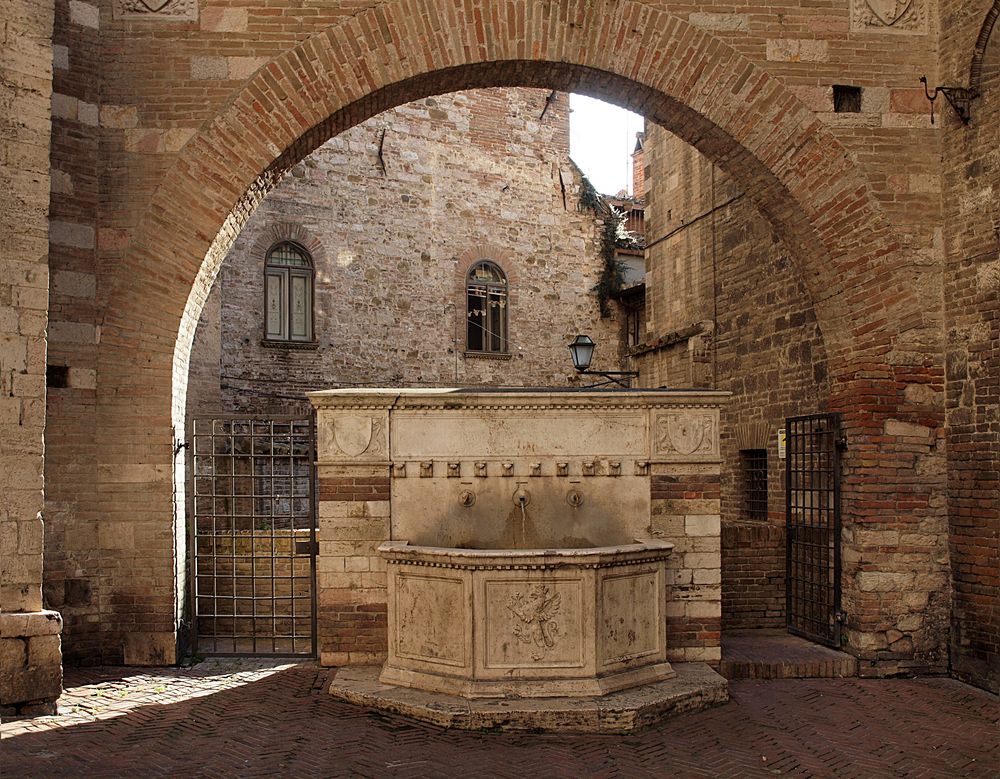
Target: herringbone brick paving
column 253, row 718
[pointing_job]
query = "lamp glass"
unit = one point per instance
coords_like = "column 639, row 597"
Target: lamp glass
column 582, row 351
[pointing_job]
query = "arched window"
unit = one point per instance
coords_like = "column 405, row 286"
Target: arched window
column 288, row 294
column 486, row 296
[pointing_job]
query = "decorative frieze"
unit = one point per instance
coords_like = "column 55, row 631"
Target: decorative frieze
column 507, row 468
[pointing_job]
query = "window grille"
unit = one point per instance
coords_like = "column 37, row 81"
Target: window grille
column 754, row 467
column 486, row 309
column 288, row 294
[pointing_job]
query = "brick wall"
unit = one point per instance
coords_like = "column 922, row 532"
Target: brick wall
column 729, row 309
column 714, row 258
column 469, row 175
column 73, row 539
column 351, row 578
column 753, row 576
column 972, row 306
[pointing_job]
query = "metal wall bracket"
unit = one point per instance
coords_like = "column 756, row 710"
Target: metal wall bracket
column 959, row 98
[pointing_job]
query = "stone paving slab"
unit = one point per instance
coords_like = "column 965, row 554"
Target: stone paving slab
column 695, row 687
column 253, row 718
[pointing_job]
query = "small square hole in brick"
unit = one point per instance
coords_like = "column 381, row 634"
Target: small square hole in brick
column 846, row 100
column 57, row 376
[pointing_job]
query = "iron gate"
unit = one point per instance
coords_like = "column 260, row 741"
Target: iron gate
column 812, row 523
column 253, row 535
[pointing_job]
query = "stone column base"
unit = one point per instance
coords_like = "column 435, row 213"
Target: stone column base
column 30, row 663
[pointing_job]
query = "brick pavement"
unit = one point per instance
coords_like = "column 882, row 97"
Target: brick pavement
column 267, row 718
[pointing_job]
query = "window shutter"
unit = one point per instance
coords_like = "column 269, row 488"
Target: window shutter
column 275, row 302
column 299, row 304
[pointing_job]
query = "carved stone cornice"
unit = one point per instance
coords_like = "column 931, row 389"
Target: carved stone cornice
column 513, row 399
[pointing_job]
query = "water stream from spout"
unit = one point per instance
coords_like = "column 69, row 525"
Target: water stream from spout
column 524, row 519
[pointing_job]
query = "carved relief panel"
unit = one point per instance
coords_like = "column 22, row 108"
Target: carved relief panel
column 352, row 436
column 166, row 10
column 690, row 434
column 892, row 16
column 533, row 623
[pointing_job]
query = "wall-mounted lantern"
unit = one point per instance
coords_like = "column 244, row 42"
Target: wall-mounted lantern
column 582, row 351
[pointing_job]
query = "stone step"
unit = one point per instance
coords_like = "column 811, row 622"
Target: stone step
column 696, row 687
column 767, row 654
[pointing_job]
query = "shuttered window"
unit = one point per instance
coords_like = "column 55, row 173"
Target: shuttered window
column 288, row 294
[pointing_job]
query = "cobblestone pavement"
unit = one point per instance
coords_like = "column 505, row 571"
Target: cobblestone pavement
column 252, row 718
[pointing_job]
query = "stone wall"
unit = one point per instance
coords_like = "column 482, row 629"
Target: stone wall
column 972, row 307
column 30, row 670
column 467, row 176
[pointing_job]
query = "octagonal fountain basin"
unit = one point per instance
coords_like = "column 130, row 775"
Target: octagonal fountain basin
column 526, row 622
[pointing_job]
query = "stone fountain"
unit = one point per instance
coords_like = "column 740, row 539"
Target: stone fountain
column 538, row 545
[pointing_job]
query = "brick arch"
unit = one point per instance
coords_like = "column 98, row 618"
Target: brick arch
column 639, row 57
column 280, row 232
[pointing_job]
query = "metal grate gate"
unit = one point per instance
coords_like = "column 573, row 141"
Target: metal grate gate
column 812, row 522
column 253, row 536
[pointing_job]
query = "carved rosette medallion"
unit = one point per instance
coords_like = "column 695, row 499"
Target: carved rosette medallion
column 536, row 611
column 891, row 16
column 687, row 434
column 153, row 10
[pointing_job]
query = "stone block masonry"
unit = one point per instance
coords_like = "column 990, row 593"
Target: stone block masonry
column 30, row 659
column 394, row 212
column 684, row 507
column 30, row 663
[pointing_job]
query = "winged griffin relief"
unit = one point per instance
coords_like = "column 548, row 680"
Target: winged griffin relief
column 537, row 612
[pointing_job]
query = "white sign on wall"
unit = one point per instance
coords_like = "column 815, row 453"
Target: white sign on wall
column 782, row 441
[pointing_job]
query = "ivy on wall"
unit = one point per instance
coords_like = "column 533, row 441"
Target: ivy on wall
column 613, row 235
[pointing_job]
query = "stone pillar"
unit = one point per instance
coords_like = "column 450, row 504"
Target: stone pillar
column 30, row 661
column 353, row 470
column 685, row 510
